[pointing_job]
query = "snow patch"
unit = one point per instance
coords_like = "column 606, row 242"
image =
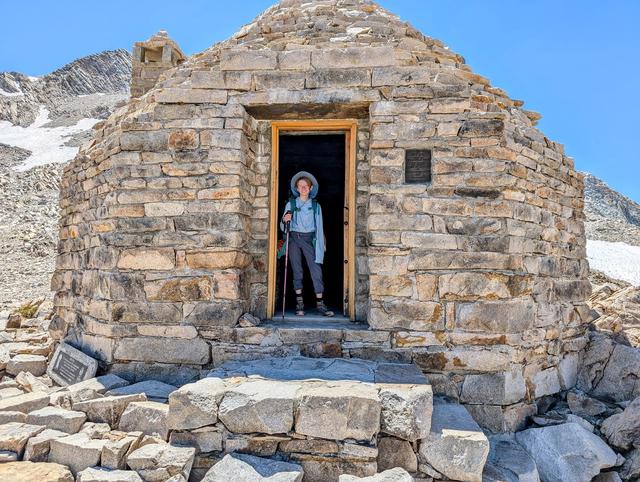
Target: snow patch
column 616, row 260
column 11, row 94
column 45, row 143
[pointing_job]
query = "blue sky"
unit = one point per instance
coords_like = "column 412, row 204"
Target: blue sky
column 576, row 61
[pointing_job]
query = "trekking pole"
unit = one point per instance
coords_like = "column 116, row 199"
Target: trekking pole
column 286, row 262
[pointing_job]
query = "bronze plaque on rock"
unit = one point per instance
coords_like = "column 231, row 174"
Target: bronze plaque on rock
column 417, row 166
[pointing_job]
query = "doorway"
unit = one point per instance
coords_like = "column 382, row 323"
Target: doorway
column 326, row 150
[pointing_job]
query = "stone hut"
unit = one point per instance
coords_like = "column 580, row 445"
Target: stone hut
column 454, row 226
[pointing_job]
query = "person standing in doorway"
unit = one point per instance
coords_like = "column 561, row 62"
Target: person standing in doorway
column 306, row 238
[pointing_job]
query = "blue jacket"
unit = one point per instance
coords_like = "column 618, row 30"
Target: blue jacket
column 304, row 220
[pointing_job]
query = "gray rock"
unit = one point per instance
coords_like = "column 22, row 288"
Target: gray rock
column 622, row 430
column 566, row 452
column 607, row 477
column 259, row 406
column 156, row 391
column 100, row 384
column 583, row 405
column 253, row 469
column 37, row 449
column 114, row 452
column 12, row 416
column 158, row 462
column 30, row 383
column 393, row 452
column 57, row 418
column 108, row 409
column 99, row 474
column 196, row 404
column 146, row 417
column 509, row 462
column 25, row 403
column 571, row 418
column 338, row 410
column 78, row 451
column 205, row 439
column 456, row 446
column 35, row 364
column 10, row 392
column 502, row 388
column 14, row 435
column 631, row 467
column 621, row 377
column 406, row 410
column 396, row 474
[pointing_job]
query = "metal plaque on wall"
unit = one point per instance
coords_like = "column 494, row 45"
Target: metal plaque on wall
column 417, row 166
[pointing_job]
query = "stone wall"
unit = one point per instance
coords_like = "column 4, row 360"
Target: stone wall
column 479, row 277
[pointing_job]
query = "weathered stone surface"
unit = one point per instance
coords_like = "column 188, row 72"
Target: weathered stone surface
column 108, row 409
column 163, row 350
column 545, row 382
column 37, row 449
column 30, row 472
column 622, row 430
column 158, row 462
column 631, row 467
column 583, row 405
column 455, row 447
column 196, row 404
column 14, row 435
column 12, row 416
column 8, row 456
column 142, row 259
column 248, row 467
column 406, row 410
column 114, row 452
column 331, row 468
column 607, row 477
column 35, row 364
column 146, row 417
column 621, row 377
column 566, row 452
column 205, row 439
column 56, row 418
column 99, row 474
column 101, row 384
column 396, row 474
column 498, row 419
column 154, row 390
column 259, row 445
column 393, row 452
column 262, row 406
column 503, row 388
column 509, row 462
column 495, row 316
column 78, row 451
column 338, row 411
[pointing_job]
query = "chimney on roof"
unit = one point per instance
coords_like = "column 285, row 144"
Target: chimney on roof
column 151, row 58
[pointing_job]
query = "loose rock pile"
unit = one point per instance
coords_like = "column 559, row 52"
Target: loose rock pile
column 296, row 418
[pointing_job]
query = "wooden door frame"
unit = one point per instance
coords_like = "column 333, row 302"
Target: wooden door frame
column 349, row 128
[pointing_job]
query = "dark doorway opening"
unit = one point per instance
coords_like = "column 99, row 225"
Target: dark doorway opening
column 323, row 155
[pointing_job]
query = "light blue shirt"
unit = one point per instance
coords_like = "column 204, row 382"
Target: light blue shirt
column 303, row 221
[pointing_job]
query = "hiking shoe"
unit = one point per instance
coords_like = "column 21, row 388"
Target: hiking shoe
column 299, row 306
column 324, row 311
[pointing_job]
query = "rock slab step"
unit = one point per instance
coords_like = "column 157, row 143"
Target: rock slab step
column 14, row 435
column 146, row 417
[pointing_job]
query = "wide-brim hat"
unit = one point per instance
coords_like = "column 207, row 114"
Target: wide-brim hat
column 314, row 181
